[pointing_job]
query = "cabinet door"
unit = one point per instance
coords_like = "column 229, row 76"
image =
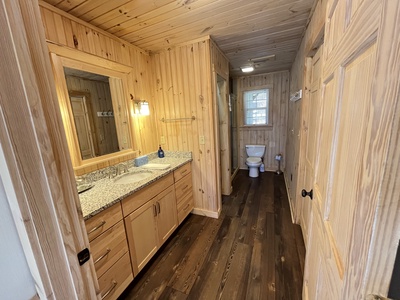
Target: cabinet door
column 167, row 219
column 141, row 230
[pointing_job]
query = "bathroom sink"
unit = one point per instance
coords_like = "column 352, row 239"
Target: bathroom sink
column 157, row 166
column 132, row 177
column 84, row 187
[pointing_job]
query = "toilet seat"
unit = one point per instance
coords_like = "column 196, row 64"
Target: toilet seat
column 253, row 160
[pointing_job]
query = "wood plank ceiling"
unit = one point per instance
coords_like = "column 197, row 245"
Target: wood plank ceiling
column 263, row 33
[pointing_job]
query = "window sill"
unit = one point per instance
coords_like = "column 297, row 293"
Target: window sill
column 257, row 126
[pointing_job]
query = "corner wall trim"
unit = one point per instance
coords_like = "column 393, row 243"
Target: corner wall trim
column 206, row 213
column 290, row 202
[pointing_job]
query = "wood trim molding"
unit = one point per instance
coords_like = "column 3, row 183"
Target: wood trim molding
column 206, row 213
column 42, row 172
column 89, row 63
column 75, row 56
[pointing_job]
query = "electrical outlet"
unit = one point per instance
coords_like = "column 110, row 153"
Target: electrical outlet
column 202, row 140
column 162, row 139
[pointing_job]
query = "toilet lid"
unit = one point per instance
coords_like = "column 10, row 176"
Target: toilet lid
column 254, row 160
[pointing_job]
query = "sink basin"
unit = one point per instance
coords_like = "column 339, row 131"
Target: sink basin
column 132, row 177
column 84, row 187
column 156, row 166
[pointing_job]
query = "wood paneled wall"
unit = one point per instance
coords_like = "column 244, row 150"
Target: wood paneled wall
column 36, row 154
column 177, row 83
column 274, row 136
column 183, row 80
column 65, row 30
column 297, row 82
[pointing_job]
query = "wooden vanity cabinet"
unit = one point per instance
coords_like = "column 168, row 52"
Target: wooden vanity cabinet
column 150, row 218
column 109, row 250
column 183, row 191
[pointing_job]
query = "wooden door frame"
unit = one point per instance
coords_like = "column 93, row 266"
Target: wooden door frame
column 37, row 157
column 89, row 107
column 226, row 187
column 236, row 116
column 215, row 116
column 88, row 122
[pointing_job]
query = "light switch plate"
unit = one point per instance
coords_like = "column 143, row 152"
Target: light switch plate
column 201, row 140
column 162, row 139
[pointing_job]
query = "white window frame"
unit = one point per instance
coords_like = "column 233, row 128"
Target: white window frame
column 267, row 108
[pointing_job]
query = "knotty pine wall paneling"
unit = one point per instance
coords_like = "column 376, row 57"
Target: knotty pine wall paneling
column 183, row 81
column 67, row 31
column 274, row 136
column 41, row 184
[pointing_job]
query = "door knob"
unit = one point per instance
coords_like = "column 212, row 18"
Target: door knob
column 304, row 193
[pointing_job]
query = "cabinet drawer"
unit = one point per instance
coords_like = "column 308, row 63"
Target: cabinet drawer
column 139, row 198
column 185, row 207
column 182, row 171
column 183, row 187
column 107, row 248
column 103, row 221
column 116, row 279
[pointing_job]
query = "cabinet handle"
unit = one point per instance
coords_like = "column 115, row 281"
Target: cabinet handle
column 114, row 284
column 155, row 210
column 101, row 257
column 184, row 171
column 97, row 227
column 158, row 207
column 186, row 207
column 185, row 187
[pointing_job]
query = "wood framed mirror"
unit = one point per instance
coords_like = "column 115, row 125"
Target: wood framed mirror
column 95, row 108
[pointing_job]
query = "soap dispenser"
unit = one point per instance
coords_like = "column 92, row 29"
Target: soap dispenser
column 160, row 152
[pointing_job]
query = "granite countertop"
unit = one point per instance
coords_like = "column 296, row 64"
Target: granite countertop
column 106, row 192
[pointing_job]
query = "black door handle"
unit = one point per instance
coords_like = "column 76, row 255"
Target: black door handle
column 304, row 193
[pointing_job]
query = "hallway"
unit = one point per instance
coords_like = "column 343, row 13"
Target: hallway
column 253, row 251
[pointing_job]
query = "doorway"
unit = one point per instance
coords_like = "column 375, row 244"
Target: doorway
column 83, row 128
column 233, row 124
column 224, row 135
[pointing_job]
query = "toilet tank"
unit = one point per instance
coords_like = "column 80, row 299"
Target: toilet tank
column 255, row 150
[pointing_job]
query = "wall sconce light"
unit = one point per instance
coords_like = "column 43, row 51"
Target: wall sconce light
column 142, row 108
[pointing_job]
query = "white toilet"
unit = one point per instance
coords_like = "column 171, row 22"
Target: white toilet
column 255, row 154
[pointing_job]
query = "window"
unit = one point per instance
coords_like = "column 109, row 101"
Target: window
column 256, row 107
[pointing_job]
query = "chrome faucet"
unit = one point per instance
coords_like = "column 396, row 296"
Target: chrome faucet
column 117, row 170
column 112, row 172
column 122, row 167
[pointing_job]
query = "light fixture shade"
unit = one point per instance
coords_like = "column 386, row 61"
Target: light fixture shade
column 247, row 69
column 144, row 108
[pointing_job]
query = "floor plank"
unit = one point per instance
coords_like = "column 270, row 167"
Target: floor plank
column 186, row 273
column 253, row 251
column 210, row 278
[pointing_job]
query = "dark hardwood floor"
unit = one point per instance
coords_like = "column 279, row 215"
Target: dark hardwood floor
column 253, row 251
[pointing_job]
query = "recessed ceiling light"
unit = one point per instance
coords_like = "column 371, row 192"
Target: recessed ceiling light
column 247, row 69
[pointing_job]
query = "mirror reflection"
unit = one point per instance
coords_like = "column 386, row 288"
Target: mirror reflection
column 92, row 108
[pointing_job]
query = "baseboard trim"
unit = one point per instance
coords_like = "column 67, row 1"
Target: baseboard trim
column 206, row 213
column 288, row 196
